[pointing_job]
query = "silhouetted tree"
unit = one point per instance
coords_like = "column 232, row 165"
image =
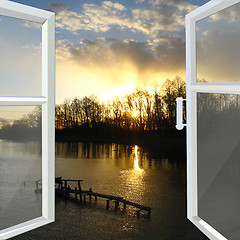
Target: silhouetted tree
column 138, row 112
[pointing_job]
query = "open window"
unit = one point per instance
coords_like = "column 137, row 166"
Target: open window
column 213, row 117
column 27, row 107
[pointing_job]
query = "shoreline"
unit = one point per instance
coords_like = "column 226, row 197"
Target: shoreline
column 170, row 146
column 157, row 146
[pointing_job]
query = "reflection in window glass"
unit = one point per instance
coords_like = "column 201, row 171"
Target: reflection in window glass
column 218, row 155
column 20, row 164
column 218, row 46
column 20, row 57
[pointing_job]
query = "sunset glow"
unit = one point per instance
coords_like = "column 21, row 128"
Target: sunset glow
column 136, row 161
column 135, row 114
column 119, row 92
column 124, row 48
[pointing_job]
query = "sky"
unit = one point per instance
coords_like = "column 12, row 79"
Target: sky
column 106, row 48
column 218, row 51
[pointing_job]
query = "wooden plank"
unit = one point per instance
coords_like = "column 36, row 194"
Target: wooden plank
column 67, row 189
column 135, row 205
column 105, row 196
column 71, row 180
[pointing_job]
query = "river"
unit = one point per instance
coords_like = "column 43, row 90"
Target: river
column 113, row 169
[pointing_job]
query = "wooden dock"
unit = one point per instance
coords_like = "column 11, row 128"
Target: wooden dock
column 64, row 187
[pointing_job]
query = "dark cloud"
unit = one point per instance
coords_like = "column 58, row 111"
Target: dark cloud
column 218, row 56
column 143, row 56
column 138, row 54
column 57, row 7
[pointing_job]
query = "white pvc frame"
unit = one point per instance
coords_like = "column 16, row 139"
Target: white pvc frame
column 47, row 101
column 193, row 88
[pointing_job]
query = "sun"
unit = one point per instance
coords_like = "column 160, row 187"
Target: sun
column 135, row 113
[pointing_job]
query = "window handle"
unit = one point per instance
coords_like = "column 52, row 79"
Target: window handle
column 179, row 116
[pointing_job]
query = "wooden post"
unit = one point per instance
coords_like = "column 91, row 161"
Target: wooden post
column 75, row 192
column 68, row 193
column 80, row 190
column 84, row 198
column 65, row 186
column 90, row 196
column 116, row 204
column 95, row 198
column 79, row 185
column 149, row 212
column 107, row 203
column 124, row 205
column 138, row 213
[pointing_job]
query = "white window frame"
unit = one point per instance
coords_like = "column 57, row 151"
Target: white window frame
column 47, row 101
column 193, row 88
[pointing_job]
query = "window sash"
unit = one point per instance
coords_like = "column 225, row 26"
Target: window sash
column 47, row 100
column 193, row 88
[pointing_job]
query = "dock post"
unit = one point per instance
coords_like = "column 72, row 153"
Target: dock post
column 80, row 190
column 75, row 192
column 65, row 186
column 138, row 212
column 84, row 198
column 95, row 198
column 107, row 203
column 124, row 205
column 68, row 191
column 90, row 196
column 116, row 204
column 149, row 212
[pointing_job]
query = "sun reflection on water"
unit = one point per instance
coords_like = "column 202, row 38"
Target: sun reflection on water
column 136, row 161
column 133, row 184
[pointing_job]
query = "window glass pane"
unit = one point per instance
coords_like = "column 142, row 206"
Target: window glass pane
column 20, row 164
column 218, row 155
column 218, row 46
column 20, row 57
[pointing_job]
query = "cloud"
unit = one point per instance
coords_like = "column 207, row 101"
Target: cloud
column 105, row 65
column 25, row 59
column 218, row 46
column 141, row 56
column 109, row 5
column 218, row 55
column 178, row 5
column 158, row 16
column 32, row 25
column 57, row 7
column 228, row 15
column 110, row 63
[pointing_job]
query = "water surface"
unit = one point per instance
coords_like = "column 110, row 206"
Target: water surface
column 125, row 171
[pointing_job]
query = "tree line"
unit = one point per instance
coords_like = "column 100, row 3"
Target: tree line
column 28, row 127
column 143, row 111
